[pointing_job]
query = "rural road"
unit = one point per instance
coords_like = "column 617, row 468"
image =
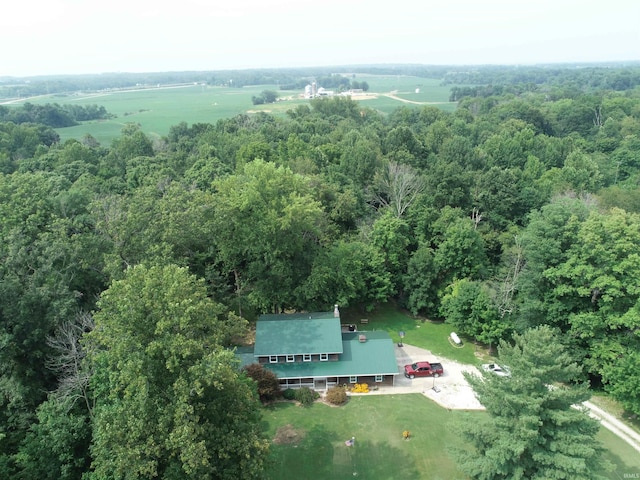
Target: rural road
column 395, row 97
column 453, row 392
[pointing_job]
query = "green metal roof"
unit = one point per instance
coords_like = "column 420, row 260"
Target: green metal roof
column 375, row 356
column 298, row 334
column 245, row 354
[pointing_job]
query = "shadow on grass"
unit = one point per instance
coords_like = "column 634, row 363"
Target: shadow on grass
column 379, row 460
column 322, row 454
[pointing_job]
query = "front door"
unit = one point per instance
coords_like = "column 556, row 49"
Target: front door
column 319, row 383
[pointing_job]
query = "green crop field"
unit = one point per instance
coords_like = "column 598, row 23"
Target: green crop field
column 156, row 109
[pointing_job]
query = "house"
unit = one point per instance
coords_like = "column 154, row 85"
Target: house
column 312, row 350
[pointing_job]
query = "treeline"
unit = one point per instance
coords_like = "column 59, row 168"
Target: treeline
column 514, row 211
column 617, row 76
column 52, row 114
column 589, row 76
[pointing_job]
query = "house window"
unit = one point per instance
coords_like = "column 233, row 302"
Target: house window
column 306, row 357
column 353, row 379
column 378, row 378
column 273, row 359
column 291, row 358
column 324, row 357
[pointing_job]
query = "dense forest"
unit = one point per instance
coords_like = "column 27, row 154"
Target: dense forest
column 520, row 209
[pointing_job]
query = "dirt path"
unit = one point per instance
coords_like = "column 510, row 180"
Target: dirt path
column 394, row 97
column 616, row 426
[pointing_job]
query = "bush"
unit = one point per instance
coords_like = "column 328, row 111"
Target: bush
column 306, row 396
column 266, row 381
column 336, row 395
column 289, row 394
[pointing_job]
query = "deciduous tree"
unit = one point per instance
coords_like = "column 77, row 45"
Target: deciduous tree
column 170, row 400
column 266, row 227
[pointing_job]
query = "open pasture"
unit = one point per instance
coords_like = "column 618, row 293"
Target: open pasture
column 156, row 109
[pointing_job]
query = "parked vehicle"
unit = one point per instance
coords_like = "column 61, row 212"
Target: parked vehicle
column 497, row 369
column 423, row 369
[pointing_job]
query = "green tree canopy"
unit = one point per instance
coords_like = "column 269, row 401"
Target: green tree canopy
column 532, row 430
column 266, row 227
column 170, row 400
column 470, row 308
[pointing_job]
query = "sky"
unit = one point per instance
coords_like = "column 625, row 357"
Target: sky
column 50, row 37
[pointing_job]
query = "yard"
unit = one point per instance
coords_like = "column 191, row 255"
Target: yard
column 311, row 441
column 433, row 336
column 379, row 452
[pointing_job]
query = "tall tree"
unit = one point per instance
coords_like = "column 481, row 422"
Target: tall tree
column 170, row 400
column 390, row 235
column 532, row 430
column 599, row 284
column 49, row 267
column 461, row 254
column 420, row 282
column 546, row 242
column 266, row 227
column 350, row 273
column 470, row 308
column 397, row 187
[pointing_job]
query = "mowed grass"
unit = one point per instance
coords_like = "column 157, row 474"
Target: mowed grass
column 380, row 452
column 158, row 109
column 624, row 459
column 433, row 336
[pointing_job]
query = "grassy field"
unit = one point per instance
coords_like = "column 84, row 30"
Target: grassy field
column 315, row 448
column 433, row 336
column 380, row 452
column 157, row 109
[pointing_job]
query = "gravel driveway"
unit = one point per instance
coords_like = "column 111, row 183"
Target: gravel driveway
column 450, row 390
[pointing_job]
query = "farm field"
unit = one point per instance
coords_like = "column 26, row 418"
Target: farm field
column 157, row 109
column 309, row 442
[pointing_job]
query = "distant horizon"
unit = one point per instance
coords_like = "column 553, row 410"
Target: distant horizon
column 70, row 37
column 594, row 63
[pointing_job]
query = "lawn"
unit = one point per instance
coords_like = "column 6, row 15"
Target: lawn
column 613, row 407
column 380, row 452
column 377, row 422
column 433, row 336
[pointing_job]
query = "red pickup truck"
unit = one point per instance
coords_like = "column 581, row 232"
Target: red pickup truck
column 423, row 369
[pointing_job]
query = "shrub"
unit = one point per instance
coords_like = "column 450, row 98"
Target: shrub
column 289, row 394
column 266, row 380
column 306, row 396
column 336, row 395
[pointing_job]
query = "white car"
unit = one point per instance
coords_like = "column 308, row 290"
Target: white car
column 497, row 369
